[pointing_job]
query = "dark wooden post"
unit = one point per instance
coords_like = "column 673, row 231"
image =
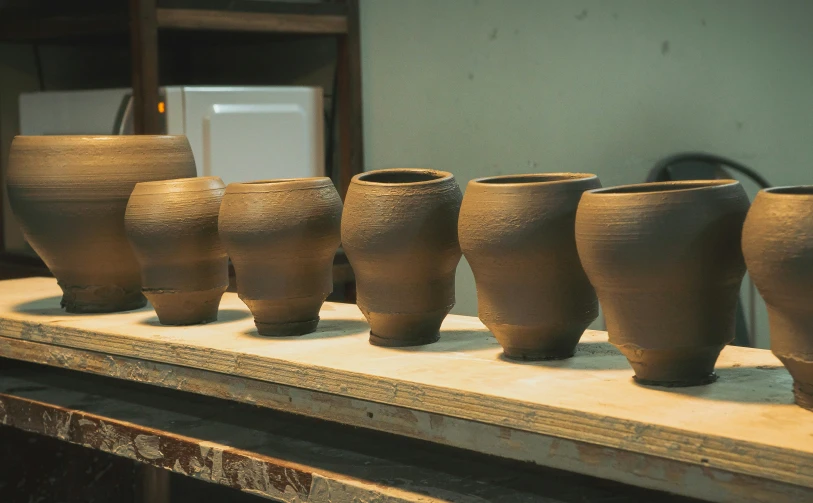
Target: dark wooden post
column 349, row 120
column 144, row 55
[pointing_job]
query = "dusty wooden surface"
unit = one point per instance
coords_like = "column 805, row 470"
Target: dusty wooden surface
column 274, row 455
column 740, row 439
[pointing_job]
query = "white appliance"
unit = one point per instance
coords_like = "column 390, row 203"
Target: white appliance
column 236, row 133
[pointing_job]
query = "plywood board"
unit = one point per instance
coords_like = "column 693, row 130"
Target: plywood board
column 743, row 425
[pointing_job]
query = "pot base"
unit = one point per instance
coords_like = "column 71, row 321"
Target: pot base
column 695, row 381
column 535, row 342
column 387, row 342
column 176, row 307
column 803, row 395
column 672, row 368
column 522, row 354
column 291, row 329
column 100, row 299
column 404, row 329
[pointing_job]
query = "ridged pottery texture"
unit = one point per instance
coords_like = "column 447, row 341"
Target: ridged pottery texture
column 400, row 235
column 666, row 263
column 70, row 194
column 172, row 226
column 777, row 242
column 516, row 232
column 282, row 236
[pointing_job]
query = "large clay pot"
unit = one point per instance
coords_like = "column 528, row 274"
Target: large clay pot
column 172, row 226
column 281, row 236
column 70, row 194
column 516, row 232
column 666, row 263
column 777, row 241
column 400, row 235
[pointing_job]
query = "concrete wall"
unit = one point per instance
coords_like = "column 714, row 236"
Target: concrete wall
column 483, row 87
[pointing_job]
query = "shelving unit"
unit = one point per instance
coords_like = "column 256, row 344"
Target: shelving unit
column 146, row 19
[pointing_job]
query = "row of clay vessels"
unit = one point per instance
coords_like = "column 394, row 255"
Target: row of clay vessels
column 664, row 259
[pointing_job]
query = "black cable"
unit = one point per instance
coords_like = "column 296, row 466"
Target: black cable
column 658, row 171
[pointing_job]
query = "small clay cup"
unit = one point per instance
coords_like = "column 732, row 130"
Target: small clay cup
column 516, row 232
column 666, row 264
column 399, row 232
column 282, row 236
column 172, row 227
column 70, row 194
column 777, row 241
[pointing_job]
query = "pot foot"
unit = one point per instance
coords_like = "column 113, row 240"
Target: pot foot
column 803, row 395
column 387, row 342
column 100, row 299
column 178, row 308
column 682, row 383
column 286, row 329
column 673, row 368
column 531, row 355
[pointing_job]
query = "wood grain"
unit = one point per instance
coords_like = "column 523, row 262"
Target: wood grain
column 594, row 418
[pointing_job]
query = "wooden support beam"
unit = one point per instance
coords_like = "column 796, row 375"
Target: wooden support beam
column 348, row 93
column 144, row 55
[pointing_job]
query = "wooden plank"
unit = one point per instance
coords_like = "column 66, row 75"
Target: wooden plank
column 261, row 22
column 273, row 455
column 501, row 441
column 144, row 56
column 744, row 427
column 348, row 94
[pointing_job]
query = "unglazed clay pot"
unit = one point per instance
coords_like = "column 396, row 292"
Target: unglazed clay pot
column 400, row 235
column 281, row 236
column 516, row 232
column 666, row 263
column 172, row 226
column 70, row 194
column 777, row 241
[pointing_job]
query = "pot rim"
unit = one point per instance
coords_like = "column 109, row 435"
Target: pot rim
column 660, row 188
column 184, row 185
column 279, row 185
column 533, row 179
column 437, row 176
column 789, row 190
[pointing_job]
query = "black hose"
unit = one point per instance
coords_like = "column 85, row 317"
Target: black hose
column 660, row 167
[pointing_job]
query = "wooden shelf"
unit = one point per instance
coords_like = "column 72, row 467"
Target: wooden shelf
column 739, row 439
column 31, row 28
column 278, row 456
column 257, row 22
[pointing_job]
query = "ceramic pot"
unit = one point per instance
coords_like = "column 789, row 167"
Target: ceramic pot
column 172, row 227
column 666, row 264
column 400, row 235
column 281, row 236
column 70, row 194
column 516, row 232
column 777, row 241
